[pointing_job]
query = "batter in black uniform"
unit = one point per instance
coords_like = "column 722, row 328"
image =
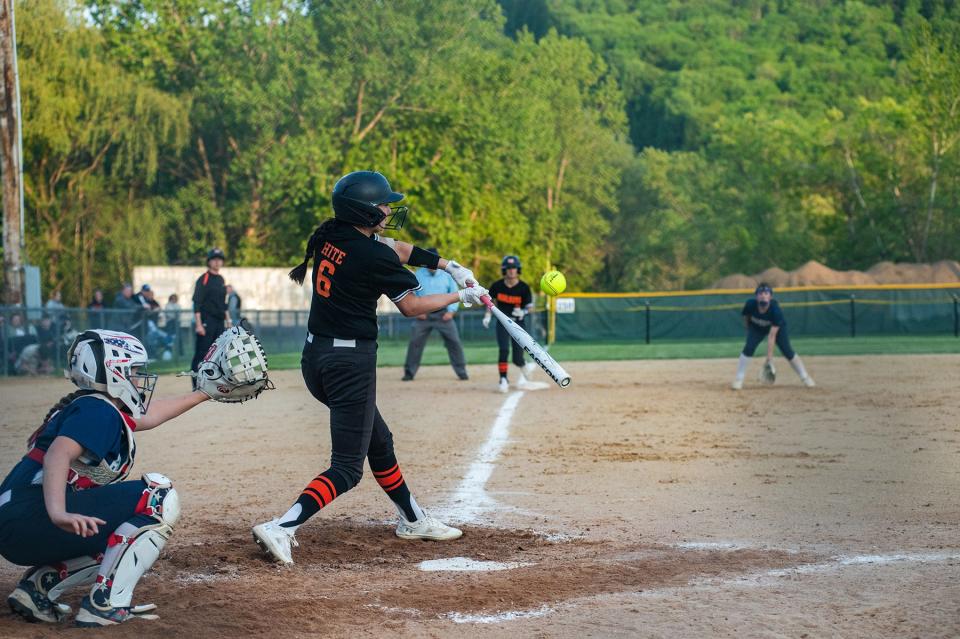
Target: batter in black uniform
column 352, row 267
column 764, row 319
column 514, row 298
column 209, row 306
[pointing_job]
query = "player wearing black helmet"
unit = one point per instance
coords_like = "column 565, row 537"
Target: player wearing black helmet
column 763, row 319
column 352, row 267
column 512, row 296
column 209, row 306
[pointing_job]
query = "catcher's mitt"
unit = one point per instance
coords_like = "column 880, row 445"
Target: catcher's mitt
column 235, row 367
column 768, row 374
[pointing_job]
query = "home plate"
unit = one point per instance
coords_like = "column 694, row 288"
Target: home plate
column 465, row 564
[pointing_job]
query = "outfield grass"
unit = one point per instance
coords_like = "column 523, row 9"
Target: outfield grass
column 392, row 353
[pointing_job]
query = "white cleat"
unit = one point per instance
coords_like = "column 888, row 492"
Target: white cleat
column 528, row 369
column 427, row 528
column 737, row 384
column 808, row 382
column 504, row 385
column 275, row 540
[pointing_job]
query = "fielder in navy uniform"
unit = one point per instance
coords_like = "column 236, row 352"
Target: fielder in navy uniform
column 515, row 299
column 66, row 510
column 763, row 319
column 352, row 267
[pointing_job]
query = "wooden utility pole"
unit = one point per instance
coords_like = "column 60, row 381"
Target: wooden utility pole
column 10, row 161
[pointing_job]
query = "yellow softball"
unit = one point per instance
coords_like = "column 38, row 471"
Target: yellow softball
column 553, row 283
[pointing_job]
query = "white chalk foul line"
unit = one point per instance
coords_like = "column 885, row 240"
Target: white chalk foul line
column 470, row 499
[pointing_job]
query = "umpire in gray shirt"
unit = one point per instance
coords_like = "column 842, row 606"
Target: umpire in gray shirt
column 431, row 282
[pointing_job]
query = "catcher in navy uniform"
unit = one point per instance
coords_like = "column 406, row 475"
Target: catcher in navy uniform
column 65, row 508
column 352, row 267
column 763, row 319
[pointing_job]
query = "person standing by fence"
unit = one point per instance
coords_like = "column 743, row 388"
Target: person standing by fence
column 434, row 281
column 209, row 306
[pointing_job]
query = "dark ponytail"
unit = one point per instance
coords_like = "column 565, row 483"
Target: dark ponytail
column 66, row 399
column 299, row 272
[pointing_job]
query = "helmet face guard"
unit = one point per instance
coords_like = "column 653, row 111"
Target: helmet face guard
column 398, row 214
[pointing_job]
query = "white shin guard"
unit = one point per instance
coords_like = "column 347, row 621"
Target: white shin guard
column 139, row 547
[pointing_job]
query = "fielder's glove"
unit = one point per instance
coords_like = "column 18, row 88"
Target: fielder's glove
column 235, row 368
column 768, row 374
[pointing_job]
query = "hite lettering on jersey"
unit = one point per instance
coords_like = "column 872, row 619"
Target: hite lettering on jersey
column 327, row 266
column 760, row 322
column 332, row 253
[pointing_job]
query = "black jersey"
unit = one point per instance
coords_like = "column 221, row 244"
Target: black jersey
column 773, row 316
column 508, row 298
column 210, row 297
column 350, row 273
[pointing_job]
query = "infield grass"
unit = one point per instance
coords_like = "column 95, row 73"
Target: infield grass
column 393, row 353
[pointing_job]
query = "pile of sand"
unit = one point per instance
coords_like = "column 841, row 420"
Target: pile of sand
column 816, row 274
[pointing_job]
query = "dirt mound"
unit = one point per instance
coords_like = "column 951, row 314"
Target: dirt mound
column 737, row 280
column 773, row 276
column 814, row 273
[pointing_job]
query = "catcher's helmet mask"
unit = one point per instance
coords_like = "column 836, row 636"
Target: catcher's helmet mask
column 113, row 363
column 510, row 261
column 357, row 196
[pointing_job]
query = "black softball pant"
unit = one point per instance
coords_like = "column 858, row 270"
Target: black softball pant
column 212, row 330
column 505, row 343
column 344, row 378
column 754, row 337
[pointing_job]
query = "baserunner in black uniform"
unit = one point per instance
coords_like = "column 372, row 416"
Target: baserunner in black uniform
column 764, row 319
column 514, row 298
column 209, row 306
column 352, row 267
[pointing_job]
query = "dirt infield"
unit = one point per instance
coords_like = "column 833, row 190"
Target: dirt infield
column 645, row 500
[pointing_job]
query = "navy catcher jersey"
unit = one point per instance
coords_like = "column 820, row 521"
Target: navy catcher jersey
column 350, row 273
column 94, row 424
column 773, row 316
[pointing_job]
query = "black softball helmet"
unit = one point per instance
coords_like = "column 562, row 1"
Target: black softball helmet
column 215, row 253
column 510, row 261
column 356, row 196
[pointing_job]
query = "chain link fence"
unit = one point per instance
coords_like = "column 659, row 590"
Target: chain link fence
column 34, row 341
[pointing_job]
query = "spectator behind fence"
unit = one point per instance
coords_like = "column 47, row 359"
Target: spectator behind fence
column 17, row 336
column 233, row 304
column 155, row 339
column 95, row 315
column 38, row 358
column 177, row 322
column 127, row 309
column 55, row 308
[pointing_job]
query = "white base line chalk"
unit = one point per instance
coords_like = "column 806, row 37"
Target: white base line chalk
column 470, row 499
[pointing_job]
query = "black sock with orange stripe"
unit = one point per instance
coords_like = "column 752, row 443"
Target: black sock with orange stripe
column 321, row 491
column 386, row 471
